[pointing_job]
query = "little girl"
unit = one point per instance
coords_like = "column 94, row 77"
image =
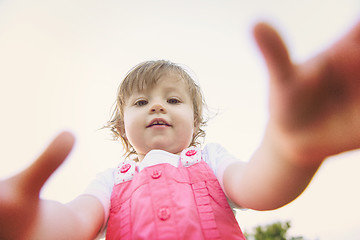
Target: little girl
column 169, row 182
column 169, row 188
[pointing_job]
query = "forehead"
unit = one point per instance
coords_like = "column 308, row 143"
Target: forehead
column 168, row 81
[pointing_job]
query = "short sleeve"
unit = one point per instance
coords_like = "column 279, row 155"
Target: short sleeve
column 218, row 158
column 101, row 188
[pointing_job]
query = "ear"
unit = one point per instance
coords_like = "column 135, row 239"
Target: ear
column 123, row 136
column 121, row 130
column 196, row 127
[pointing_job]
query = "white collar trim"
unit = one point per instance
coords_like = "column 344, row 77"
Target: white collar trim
column 157, row 156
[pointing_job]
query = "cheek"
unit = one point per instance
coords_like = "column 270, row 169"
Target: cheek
column 130, row 123
column 188, row 124
column 133, row 134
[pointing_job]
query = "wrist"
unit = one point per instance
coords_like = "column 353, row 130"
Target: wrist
column 293, row 147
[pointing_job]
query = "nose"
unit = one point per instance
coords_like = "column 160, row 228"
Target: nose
column 158, row 108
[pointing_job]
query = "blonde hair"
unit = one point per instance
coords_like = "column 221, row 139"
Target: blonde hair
column 145, row 75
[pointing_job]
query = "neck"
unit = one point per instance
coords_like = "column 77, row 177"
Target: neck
column 141, row 156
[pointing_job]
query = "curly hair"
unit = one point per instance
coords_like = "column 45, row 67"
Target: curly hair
column 145, row 75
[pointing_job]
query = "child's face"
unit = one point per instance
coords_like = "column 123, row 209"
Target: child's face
column 160, row 117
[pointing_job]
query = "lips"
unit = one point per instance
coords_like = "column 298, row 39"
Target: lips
column 158, row 122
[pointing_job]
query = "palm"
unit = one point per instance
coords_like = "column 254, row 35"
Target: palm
column 19, row 195
column 315, row 106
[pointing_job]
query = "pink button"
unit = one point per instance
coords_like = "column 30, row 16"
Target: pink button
column 164, row 214
column 125, row 168
column 156, row 174
column 190, row 153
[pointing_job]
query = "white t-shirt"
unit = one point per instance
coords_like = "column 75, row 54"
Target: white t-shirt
column 213, row 154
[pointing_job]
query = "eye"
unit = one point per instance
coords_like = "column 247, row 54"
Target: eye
column 141, row 102
column 173, row 101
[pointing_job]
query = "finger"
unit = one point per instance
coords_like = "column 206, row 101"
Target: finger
column 34, row 177
column 345, row 53
column 274, row 52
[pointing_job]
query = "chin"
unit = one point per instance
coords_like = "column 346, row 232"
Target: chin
column 168, row 148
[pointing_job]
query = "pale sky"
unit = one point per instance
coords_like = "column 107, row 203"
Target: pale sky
column 61, row 63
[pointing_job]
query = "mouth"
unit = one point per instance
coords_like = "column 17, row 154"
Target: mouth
column 158, row 122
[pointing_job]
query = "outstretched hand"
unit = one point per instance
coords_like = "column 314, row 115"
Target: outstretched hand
column 19, row 195
column 314, row 106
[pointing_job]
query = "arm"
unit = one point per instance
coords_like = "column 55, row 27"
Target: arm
column 82, row 218
column 268, row 181
column 24, row 216
column 314, row 113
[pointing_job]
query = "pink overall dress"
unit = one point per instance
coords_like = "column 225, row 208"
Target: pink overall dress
column 167, row 202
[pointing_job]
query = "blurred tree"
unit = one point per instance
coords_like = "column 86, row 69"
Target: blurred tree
column 275, row 231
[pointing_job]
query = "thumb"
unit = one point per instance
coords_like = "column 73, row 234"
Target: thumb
column 274, row 52
column 33, row 178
